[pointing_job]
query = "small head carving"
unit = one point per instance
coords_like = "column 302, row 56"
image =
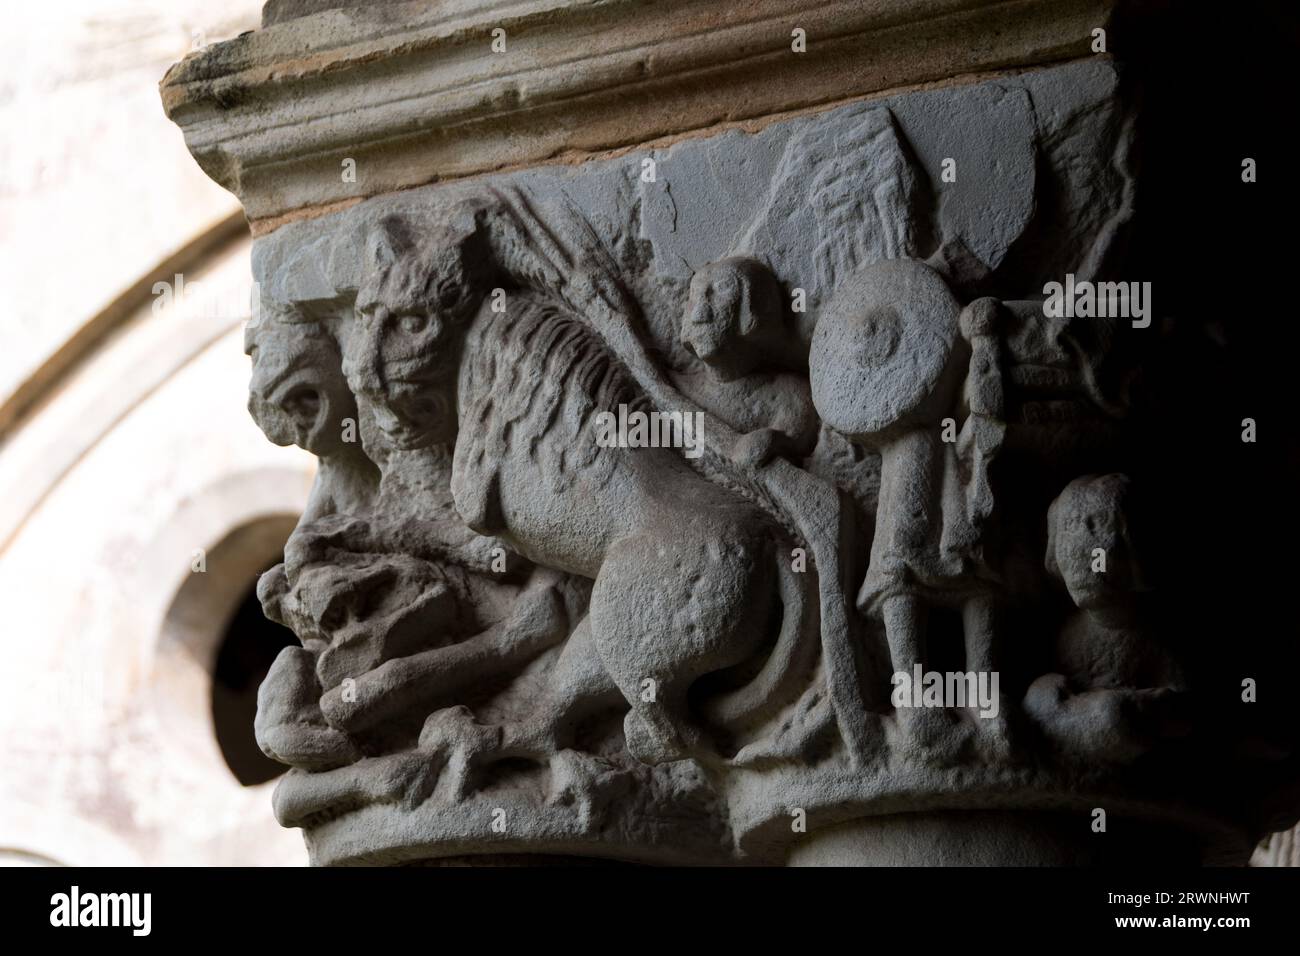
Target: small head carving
column 297, row 393
column 732, row 316
column 418, row 294
column 359, row 608
column 982, row 317
column 1090, row 514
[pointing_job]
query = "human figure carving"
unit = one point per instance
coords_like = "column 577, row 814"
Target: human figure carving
column 685, row 571
column 893, row 356
column 756, row 360
column 1117, row 689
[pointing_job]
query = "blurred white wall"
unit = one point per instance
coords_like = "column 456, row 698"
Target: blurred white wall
column 134, row 457
column 96, row 186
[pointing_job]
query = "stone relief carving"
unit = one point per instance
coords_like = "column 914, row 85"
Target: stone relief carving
column 515, row 637
column 1119, row 689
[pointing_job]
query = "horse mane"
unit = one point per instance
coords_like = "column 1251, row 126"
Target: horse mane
column 538, row 374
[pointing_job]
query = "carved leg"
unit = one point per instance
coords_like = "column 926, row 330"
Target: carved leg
column 406, row 778
column 668, row 608
column 904, row 617
column 404, row 684
column 577, row 686
column 979, row 624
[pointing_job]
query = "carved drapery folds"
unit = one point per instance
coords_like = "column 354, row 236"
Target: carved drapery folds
column 521, row 635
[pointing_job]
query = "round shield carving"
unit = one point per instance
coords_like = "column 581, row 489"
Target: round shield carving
column 882, row 347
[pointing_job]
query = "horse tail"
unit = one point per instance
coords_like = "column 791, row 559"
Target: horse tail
column 791, row 657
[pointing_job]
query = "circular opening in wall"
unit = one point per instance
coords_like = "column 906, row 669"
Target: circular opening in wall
column 247, row 650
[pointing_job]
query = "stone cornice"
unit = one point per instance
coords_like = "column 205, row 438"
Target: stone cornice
column 413, row 93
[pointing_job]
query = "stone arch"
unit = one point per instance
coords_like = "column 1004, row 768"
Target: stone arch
column 242, row 520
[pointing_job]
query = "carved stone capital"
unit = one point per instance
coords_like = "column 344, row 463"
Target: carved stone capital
column 722, row 499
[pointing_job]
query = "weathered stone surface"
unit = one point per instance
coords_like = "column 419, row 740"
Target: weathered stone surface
column 721, row 199
column 414, row 93
column 526, row 630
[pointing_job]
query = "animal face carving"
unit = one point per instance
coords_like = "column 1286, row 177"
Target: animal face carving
column 297, row 393
column 401, row 353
